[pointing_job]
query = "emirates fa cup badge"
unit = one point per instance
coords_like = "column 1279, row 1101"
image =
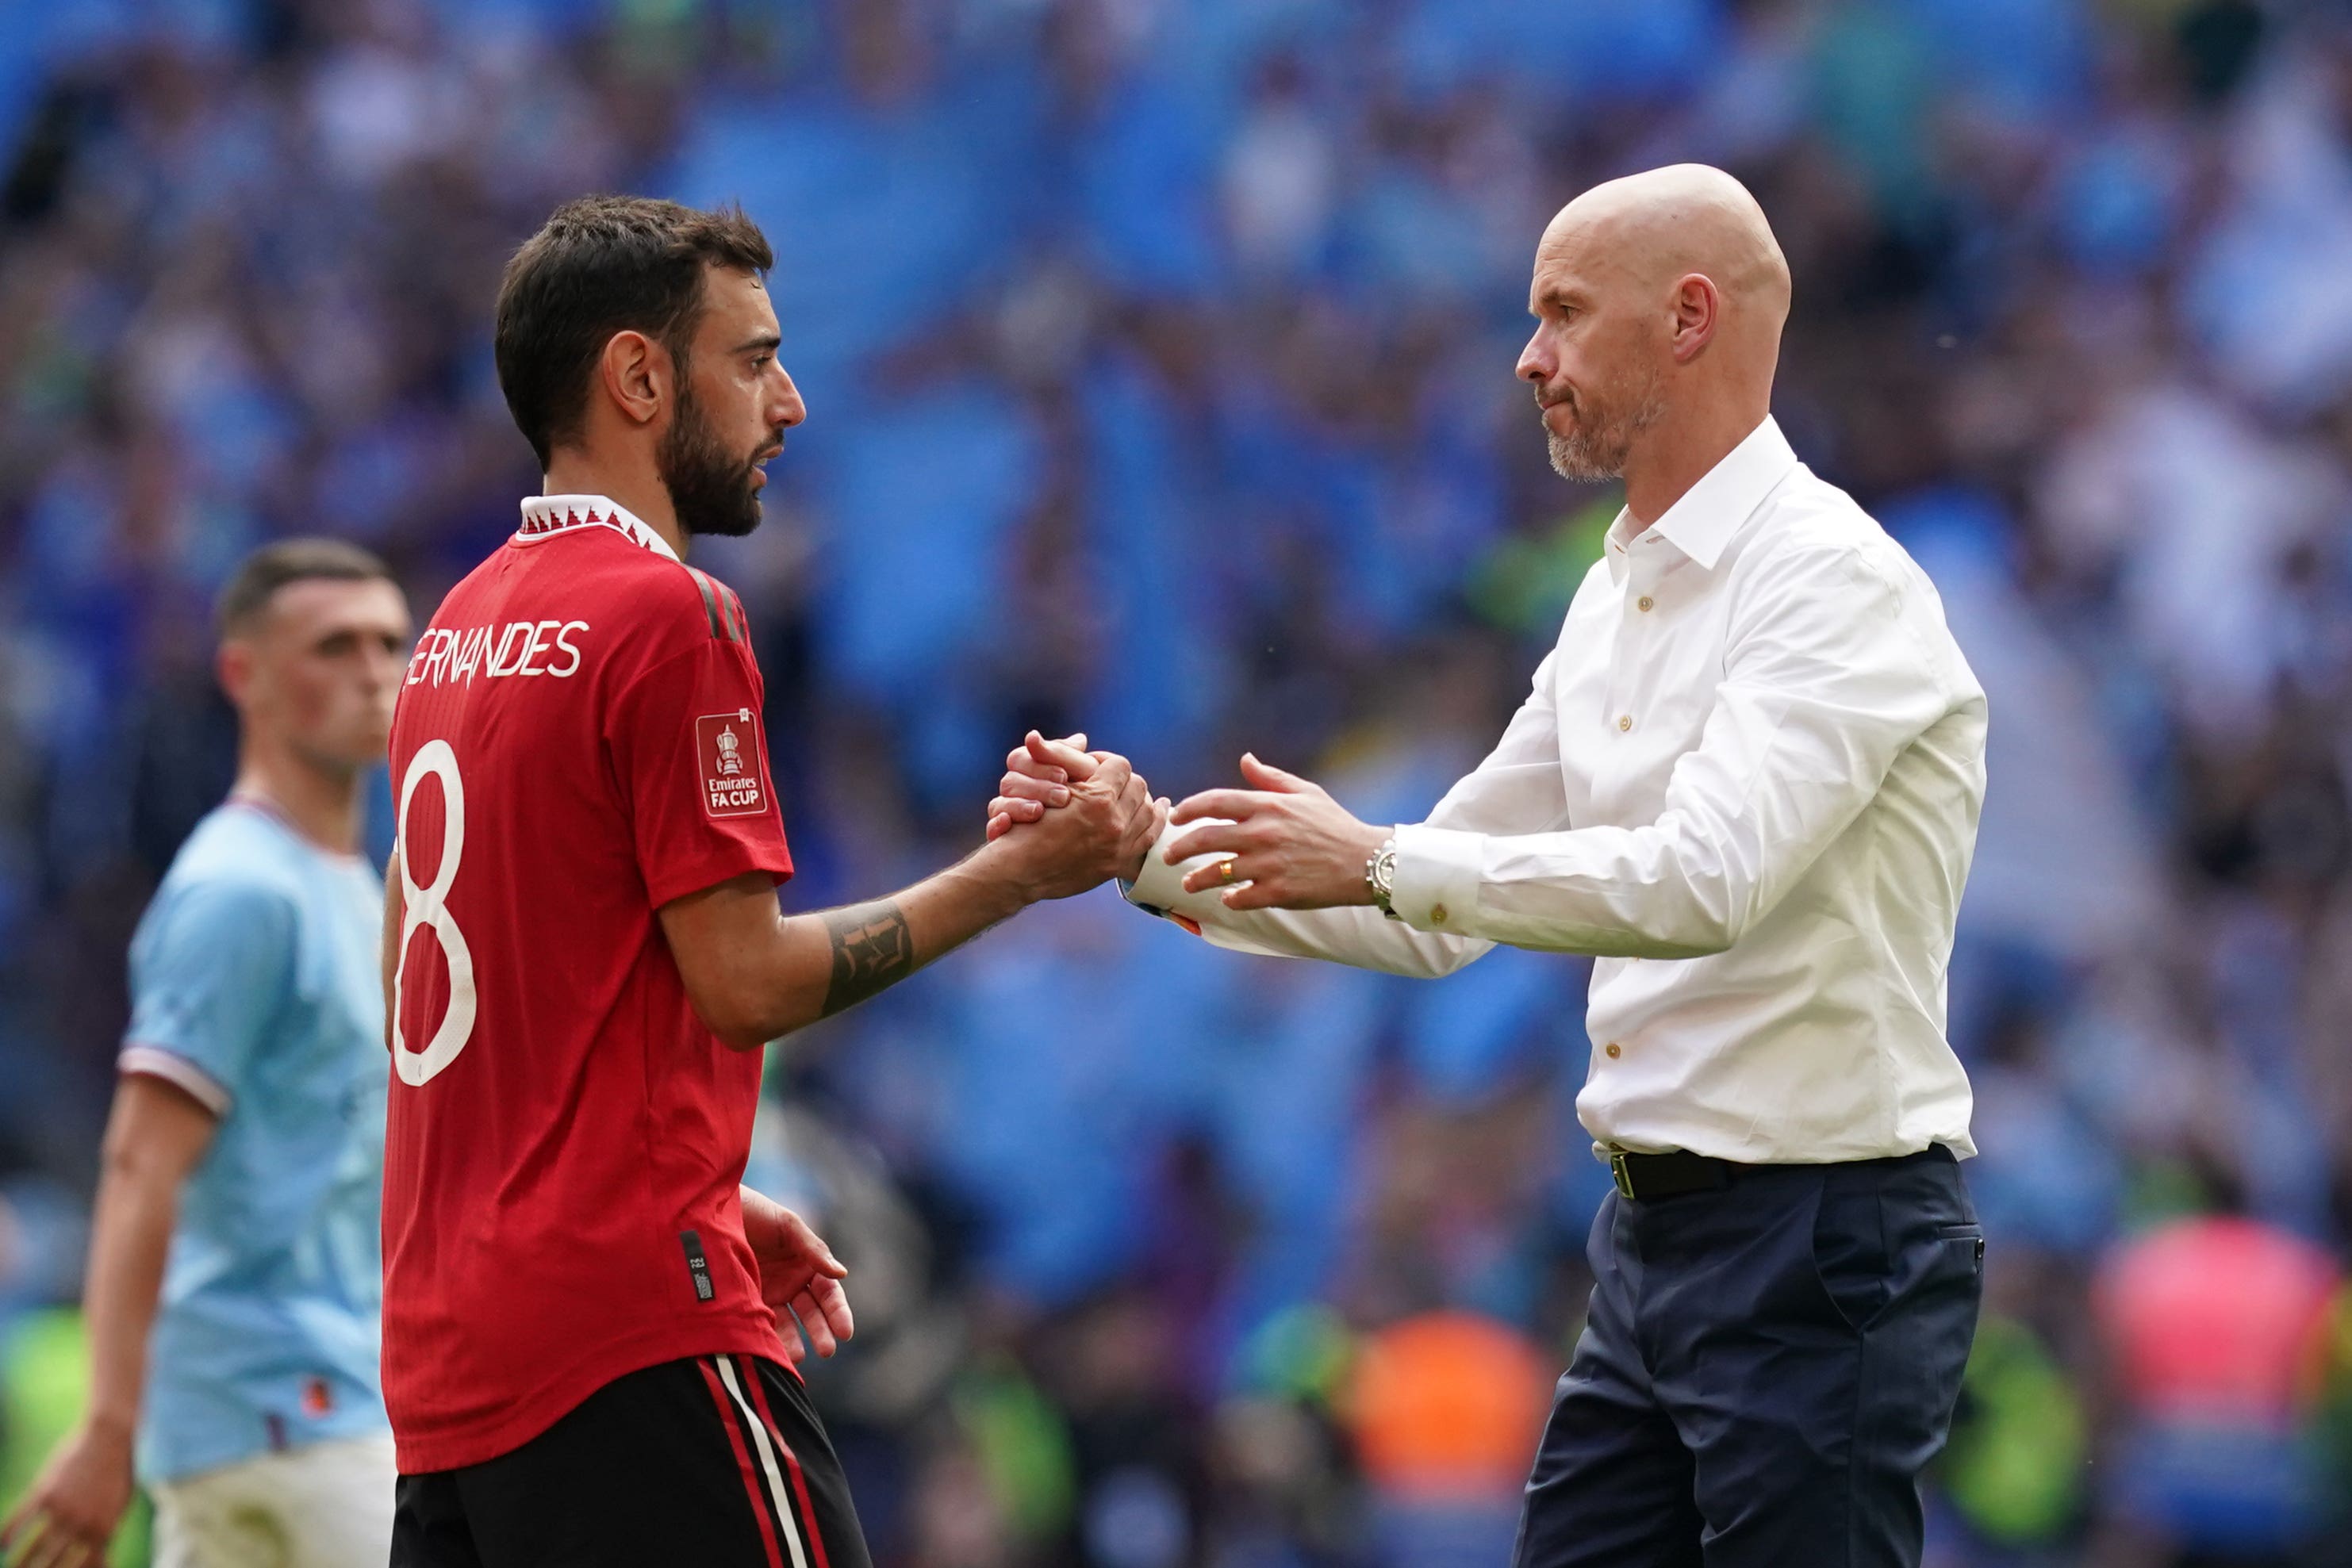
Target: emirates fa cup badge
column 727, row 750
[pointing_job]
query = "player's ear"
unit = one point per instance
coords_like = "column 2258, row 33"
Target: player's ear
column 233, row 666
column 635, row 371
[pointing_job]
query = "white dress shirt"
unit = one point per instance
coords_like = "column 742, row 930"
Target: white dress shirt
column 1748, row 778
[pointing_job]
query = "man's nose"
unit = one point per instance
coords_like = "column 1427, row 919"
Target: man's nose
column 790, row 410
column 1535, row 365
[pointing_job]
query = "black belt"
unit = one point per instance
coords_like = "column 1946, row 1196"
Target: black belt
column 1648, row 1177
column 1644, row 1177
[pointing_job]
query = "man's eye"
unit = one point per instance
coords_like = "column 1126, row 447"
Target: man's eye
column 759, row 362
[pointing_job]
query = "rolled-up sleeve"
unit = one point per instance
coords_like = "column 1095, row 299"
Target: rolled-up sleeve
column 1827, row 680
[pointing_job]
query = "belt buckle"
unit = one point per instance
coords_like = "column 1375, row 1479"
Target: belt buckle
column 1621, row 1173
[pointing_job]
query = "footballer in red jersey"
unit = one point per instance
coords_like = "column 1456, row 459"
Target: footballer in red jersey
column 585, row 956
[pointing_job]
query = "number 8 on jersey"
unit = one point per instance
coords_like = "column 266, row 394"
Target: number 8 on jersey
column 428, row 906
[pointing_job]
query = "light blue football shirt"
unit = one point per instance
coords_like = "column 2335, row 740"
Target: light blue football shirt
column 255, row 987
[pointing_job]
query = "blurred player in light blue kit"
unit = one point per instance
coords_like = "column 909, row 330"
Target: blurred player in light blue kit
column 235, row 1276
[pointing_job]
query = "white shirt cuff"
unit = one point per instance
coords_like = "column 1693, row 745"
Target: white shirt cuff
column 1160, row 889
column 1436, row 883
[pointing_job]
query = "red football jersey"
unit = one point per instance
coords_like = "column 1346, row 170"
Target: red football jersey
column 576, row 744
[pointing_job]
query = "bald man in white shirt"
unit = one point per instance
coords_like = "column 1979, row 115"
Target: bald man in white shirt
column 1748, row 780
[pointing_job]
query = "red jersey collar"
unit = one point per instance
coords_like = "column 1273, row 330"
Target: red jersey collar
column 545, row 517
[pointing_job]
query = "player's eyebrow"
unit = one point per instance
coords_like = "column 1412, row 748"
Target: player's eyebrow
column 765, row 342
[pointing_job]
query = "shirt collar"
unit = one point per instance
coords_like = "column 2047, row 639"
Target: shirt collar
column 544, row 516
column 261, row 805
column 1711, row 512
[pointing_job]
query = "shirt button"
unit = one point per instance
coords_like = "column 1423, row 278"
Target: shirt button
column 1614, row 1049
column 1625, row 721
column 1644, row 602
column 1437, row 915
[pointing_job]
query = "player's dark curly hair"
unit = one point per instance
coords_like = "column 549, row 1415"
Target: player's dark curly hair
column 605, row 265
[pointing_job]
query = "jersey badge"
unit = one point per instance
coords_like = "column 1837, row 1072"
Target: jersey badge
column 728, row 746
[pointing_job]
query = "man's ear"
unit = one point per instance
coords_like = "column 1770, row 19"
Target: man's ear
column 233, row 665
column 1697, row 307
column 637, row 375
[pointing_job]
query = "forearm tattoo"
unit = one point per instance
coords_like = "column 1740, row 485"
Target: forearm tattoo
column 872, row 951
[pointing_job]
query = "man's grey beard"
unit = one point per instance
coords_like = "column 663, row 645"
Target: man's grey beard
column 1581, row 462
column 1591, row 457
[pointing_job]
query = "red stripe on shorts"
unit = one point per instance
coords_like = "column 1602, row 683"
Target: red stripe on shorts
column 752, row 1480
column 792, row 1463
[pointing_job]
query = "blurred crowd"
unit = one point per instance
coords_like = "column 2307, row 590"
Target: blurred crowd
column 1158, row 360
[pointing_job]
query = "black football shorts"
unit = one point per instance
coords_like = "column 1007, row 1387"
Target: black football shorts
column 718, row 1462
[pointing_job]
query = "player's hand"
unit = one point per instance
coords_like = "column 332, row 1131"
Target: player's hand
column 1109, row 822
column 69, row 1513
column 1037, row 778
column 1037, row 773
column 799, row 1277
column 1292, row 846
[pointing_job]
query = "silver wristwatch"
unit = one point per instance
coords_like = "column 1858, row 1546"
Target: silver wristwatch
column 1380, row 875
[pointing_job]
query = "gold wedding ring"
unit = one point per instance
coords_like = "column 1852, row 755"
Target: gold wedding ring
column 1225, row 870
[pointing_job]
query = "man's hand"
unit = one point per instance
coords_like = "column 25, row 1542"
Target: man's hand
column 1286, row 844
column 1037, row 778
column 1037, row 773
column 154, row 1137
column 1103, row 822
column 69, row 1513
column 799, row 1277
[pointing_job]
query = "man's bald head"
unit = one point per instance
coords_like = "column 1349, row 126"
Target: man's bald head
column 1661, row 294
column 1651, row 229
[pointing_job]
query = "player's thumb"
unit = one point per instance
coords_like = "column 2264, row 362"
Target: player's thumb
column 820, row 1255
column 1069, row 755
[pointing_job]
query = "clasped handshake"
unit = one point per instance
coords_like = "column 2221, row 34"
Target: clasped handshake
column 1280, row 843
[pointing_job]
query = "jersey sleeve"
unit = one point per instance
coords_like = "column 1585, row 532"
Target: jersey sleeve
column 691, row 759
column 211, row 969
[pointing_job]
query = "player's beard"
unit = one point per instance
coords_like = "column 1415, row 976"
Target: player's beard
column 1604, row 438
column 709, row 488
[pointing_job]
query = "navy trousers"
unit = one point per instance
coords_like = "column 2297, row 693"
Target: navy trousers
column 1764, row 1372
